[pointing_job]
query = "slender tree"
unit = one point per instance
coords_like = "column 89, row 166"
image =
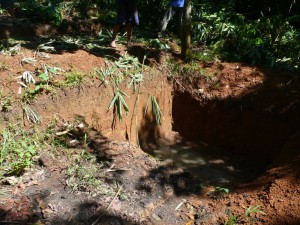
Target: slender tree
column 186, row 34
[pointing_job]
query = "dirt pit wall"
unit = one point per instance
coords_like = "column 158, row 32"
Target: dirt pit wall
column 247, row 110
column 91, row 102
column 229, row 127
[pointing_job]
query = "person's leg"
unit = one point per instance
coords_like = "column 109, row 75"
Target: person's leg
column 132, row 18
column 167, row 17
column 11, row 11
column 114, row 35
column 120, row 21
column 129, row 29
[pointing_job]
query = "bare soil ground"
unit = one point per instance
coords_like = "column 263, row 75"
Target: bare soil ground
column 242, row 120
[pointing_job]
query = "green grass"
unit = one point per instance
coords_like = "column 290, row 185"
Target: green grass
column 248, row 216
column 82, row 174
column 18, row 149
column 73, row 79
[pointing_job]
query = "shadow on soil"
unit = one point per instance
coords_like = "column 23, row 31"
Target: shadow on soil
column 85, row 213
column 80, row 36
column 32, row 206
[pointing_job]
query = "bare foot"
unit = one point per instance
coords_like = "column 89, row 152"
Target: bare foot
column 113, row 44
column 129, row 43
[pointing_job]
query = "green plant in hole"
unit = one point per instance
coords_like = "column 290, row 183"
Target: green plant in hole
column 49, row 132
column 3, row 11
column 118, row 103
column 18, row 148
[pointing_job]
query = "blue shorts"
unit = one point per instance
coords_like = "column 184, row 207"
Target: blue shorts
column 127, row 12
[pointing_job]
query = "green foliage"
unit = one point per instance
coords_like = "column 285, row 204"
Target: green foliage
column 126, row 62
column 118, row 102
column 73, row 79
column 221, row 190
column 82, row 174
column 11, row 51
column 238, row 219
column 43, row 83
column 251, row 210
column 47, row 10
column 5, row 103
column 32, row 115
column 232, row 220
column 135, row 80
column 233, row 36
column 158, row 44
column 18, row 148
column 155, row 109
column 105, row 74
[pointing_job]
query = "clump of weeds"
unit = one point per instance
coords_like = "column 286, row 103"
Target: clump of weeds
column 246, row 217
column 18, row 150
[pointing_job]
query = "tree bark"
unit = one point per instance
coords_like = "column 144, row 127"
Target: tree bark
column 186, row 34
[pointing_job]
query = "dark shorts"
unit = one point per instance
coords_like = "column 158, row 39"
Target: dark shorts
column 127, row 12
column 7, row 4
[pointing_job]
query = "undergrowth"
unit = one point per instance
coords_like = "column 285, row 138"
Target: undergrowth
column 19, row 149
column 246, row 217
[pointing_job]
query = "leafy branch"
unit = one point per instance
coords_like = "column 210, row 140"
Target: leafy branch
column 118, row 102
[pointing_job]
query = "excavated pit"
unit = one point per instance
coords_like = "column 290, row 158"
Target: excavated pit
column 218, row 141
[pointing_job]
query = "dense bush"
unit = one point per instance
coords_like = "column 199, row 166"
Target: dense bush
column 268, row 38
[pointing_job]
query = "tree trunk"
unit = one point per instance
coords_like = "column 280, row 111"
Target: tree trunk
column 186, row 34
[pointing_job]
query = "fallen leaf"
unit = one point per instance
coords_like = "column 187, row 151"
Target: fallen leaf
column 156, row 217
column 190, row 222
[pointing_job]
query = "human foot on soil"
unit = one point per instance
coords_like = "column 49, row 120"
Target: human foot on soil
column 129, row 43
column 113, row 44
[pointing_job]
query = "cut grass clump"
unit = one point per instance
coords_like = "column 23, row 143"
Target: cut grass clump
column 118, row 102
